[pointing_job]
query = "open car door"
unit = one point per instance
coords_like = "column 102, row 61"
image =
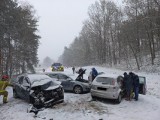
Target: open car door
column 142, row 85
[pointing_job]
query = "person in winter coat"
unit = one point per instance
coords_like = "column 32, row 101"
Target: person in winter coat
column 43, row 70
column 73, row 69
column 94, row 73
column 3, row 84
column 80, row 70
column 128, row 85
column 135, row 85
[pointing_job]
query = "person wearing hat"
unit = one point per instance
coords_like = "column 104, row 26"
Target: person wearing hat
column 3, row 84
column 128, row 85
column 94, row 73
column 135, row 79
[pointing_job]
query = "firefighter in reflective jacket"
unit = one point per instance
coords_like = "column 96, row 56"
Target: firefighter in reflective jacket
column 3, row 84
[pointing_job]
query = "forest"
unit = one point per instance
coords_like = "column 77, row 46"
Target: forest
column 19, row 39
column 115, row 34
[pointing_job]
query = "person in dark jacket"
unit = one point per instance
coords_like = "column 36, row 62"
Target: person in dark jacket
column 135, row 85
column 80, row 70
column 81, row 73
column 128, row 85
column 73, row 69
column 94, row 73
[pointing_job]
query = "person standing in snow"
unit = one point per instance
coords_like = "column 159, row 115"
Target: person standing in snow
column 73, row 69
column 80, row 70
column 94, row 73
column 135, row 85
column 3, row 84
column 128, row 85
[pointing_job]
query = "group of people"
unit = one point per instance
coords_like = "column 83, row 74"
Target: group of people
column 92, row 74
column 4, row 82
column 131, row 85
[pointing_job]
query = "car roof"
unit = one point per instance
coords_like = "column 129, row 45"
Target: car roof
column 109, row 75
column 33, row 77
column 37, row 76
column 73, row 76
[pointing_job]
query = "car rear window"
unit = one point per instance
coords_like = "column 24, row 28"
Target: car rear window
column 105, row 80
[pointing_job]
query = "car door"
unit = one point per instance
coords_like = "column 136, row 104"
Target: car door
column 18, row 86
column 66, row 82
column 25, row 88
column 142, row 85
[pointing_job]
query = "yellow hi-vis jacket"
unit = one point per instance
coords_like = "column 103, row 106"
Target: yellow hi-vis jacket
column 3, row 85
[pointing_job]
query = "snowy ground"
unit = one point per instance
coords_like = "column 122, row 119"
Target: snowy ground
column 80, row 107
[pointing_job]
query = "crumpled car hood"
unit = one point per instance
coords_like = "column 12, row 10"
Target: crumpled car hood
column 52, row 87
column 45, row 85
column 39, row 83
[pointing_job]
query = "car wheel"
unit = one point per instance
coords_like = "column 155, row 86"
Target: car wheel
column 93, row 98
column 78, row 89
column 15, row 94
column 119, row 99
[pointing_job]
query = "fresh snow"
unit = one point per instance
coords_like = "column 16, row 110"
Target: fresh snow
column 81, row 107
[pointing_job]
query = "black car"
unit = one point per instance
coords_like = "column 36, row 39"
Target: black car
column 40, row 90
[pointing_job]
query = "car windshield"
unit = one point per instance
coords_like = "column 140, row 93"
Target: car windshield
column 40, row 80
column 105, row 80
column 56, row 64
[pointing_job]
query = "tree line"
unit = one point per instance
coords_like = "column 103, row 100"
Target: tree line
column 18, row 37
column 115, row 34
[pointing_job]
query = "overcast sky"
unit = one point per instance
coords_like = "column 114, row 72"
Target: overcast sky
column 60, row 21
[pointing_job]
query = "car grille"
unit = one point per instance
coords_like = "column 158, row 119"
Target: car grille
column 58, row 89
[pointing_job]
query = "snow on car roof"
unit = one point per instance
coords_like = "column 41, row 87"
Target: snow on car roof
column 108, row 75
column 33, row 77
column 38, row 79
column 68, row 73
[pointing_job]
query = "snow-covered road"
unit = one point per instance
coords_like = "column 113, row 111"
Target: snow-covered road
column 80, row 107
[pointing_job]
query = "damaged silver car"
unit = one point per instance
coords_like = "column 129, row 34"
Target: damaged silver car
column 72, row 82
column 40, row 90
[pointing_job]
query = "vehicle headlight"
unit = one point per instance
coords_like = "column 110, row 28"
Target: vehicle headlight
column 61, row 67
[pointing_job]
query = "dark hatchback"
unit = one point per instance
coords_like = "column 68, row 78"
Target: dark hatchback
column 40, row 90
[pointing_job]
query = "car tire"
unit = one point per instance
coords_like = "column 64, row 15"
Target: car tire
column 93, row 98
column 15, row 94
column 78, row 89
column 119, row 99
